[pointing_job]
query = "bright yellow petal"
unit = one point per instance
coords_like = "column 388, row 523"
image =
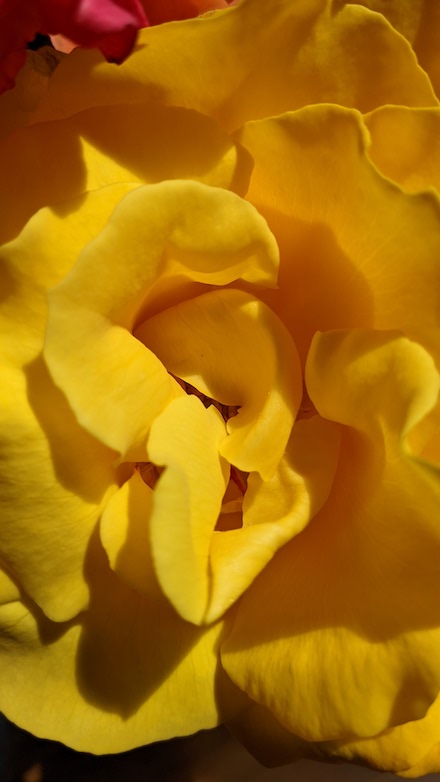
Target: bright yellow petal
column 162, row 241
column 259, row 60
column 339, row 636
column 405, row 145
column 186, row 502
column 50, row 496
column 55, row 161
column 128, row 672
column 350, row 240
column 232, row 348
column 274, row 511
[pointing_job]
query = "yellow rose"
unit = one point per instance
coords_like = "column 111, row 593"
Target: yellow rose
column 220, row 428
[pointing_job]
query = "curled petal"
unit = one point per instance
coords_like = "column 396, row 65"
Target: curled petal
column 186, row 501
column 232, row 348
column 134, row 263
column 274, row 511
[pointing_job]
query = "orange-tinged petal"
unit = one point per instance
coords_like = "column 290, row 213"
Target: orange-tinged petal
column 419, row 22
column 52, row 162
column 263, row 59
column 187, row 500
column 127, row 672
column 339, row 635
column 405, row 145
column 232, row 348
column 133, row 264
column 350, row 240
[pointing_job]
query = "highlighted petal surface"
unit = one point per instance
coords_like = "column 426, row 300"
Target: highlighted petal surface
column 159, row 242
column 339, row 634
column 263, row 59
column 234, row 349
column 187, row 501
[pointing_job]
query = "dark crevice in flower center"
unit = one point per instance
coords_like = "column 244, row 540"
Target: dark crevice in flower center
column 306, row 409
column 226, row 411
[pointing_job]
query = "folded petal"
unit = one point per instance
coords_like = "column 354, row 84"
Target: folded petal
column 160, row 242
column 232, row 348
column 274, row 511
column 128, row 672
column 264, row 59
column 187, row 501
column 349, row 609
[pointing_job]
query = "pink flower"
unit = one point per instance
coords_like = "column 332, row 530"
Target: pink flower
column 109, row 25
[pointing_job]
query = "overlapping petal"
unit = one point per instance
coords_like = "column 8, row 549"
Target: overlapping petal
column 263, row 59
column 137, row 263
column 346, row 609
column 187, row 500
column 51, row 497
column 106, row 680
column 232, row 348
column 349, row 239
column 52, row 162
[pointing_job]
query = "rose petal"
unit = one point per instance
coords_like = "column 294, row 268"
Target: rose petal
column 160, row 240
column 187, row 500
column 104, row 683
column 49, row 495
column 360, row 651
column 349, row 239
column 405, row 145
column 263, row 59
column 232, row 348
column 52, row 162
column 274, row 511
column 125, row 535
column 419, row 22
